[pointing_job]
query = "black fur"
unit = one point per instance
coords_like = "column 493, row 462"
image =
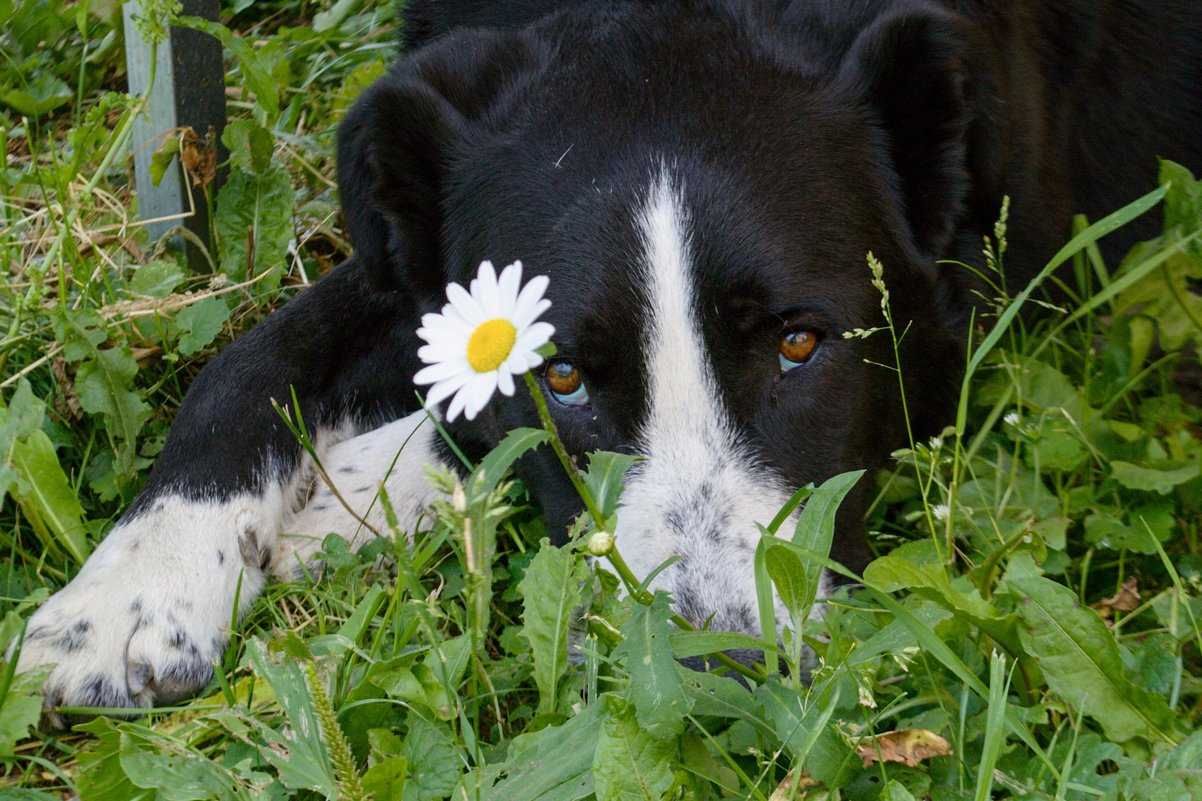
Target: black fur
column 807, row 133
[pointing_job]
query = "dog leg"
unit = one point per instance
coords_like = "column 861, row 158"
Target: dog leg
column 148, row 616
column 393, row 457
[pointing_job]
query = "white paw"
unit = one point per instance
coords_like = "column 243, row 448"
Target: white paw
column 395, row 455
column 148, row 615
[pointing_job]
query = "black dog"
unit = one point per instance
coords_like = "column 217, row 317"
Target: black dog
column 701, row 182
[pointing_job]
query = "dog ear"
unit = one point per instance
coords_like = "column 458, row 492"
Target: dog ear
column 921, row 73
column 395, row 145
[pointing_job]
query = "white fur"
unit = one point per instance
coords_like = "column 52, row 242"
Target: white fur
column 395, row 455
column 700, row 491
column 149, row 613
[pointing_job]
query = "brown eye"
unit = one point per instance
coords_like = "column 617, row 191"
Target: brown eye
column 565, row 382
column 796, row 347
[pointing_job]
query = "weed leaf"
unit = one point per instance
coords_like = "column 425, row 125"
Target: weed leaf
column 604, row 478
column 655, row 685
column 21, row 703
column 201, row 322
column 1081, row 662
column 801, row 722
column 815, row 530
column 254, row 224
column 46, row 497
column 630, row 764
column 493, row 467
column 716, row 696
column 1161, row 478
column 297, row 752
column 553, row 764
column 433, row 761
column 104, row 386
column 551, row 589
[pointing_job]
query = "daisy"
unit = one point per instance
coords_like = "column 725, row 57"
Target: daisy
column 485, row 336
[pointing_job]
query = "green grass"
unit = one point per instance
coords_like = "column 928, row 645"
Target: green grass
column 999, row 615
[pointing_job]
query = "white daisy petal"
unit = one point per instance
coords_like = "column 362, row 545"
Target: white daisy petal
column 445, row 389
column 456, row 406
column 437, row 371
column 508, row 285
column 534, row 337
column 484, row 290
column 505, row 382
column 478, row 392
column 531, row 295
column 445, row 325
column 465, row 305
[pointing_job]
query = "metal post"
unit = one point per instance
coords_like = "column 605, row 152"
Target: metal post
column 189, row 90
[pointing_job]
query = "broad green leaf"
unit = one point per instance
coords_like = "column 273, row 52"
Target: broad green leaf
column 716, row 696
column 788, row 574
column 606, row 471
column 176, row 775
column 297, row 751
column 895, row 791
column 915, row 565
column 162, row 159
column 434, row 761
column 815, row 529
column 156, row 279
column 1046, row 389
column 1183, row 203
column 251, row 145
column 895, row 637
column 100, row 776
column 104, row 385
column 551, row 591
column 801, row 722
column 325, row 20
column 385, row 780
column 630, row 764
column 496, row 464
column 1081, row 662
column 1107, row 531
column 21, row 705
column 47, row 498
column 1160, row 478
column 41, row 96
column 254, row 224
column 81, row 331
column 655, row 686
column 21, row 419
column 553, row 764
column 200, row 323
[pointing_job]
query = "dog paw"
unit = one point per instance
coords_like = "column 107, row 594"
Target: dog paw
column 148, row 615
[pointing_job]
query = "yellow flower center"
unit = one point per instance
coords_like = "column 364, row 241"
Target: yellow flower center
column 490, row 345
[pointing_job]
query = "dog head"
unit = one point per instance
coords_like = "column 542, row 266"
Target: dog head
column 702, row 187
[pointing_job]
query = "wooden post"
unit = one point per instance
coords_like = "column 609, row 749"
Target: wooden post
column 189, row 90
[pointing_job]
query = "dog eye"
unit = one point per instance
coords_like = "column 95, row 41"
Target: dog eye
column 565, row 383
column 796, row 348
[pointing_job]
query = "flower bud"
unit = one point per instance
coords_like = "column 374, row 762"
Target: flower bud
column 600, row 543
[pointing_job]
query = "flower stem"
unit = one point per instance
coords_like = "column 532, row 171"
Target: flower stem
column 544, row 415
column 633, row 585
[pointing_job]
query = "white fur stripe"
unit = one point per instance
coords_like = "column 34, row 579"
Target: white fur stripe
column 700, row 491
